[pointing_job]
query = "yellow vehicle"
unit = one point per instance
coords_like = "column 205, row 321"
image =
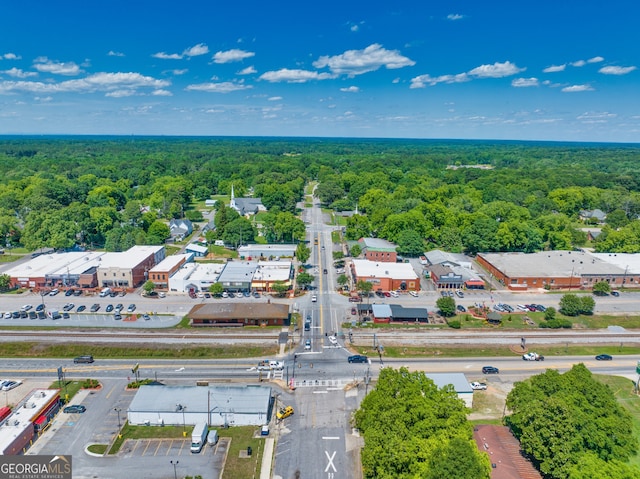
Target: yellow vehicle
column 284, row 412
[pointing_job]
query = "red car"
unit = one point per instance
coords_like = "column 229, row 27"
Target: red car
column 354, row 311
column 387, row 294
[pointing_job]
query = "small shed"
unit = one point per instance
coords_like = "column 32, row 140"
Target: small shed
column 494, row 318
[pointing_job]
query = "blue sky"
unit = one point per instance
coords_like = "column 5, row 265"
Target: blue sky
column 546, row 70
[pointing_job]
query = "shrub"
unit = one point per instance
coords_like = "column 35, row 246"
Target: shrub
column 557, row 324
column 454, row 323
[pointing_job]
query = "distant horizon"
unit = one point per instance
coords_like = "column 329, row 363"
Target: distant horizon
column 561, row 72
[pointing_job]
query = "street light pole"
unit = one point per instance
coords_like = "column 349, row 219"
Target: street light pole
column 184, row 424
column 175, row 472
column 117, row 410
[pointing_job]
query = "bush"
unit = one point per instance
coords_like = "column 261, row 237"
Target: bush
column 454, row 323
column 557, row 324
column 90, row 384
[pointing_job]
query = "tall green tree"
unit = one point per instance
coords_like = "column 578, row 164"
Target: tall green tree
column 302, row 253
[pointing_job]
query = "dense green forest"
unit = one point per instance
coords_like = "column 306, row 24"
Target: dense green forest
column 114, row 192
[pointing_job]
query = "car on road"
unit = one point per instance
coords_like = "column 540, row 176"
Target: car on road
column 314, row 298
column 109, row 308
column 476, row 386
column 146, row 317
column 68, row 307
column 354, row 311
column 95, row 308
column 284, row 412
column 75, row 409
column 615, row 293
column 358, row 358
column 9, row 385
column 131, row 308
column 81, row 308
column 490, row 370
column 307, row 345
column 604, row 357
column 532, row 357
column 39, row 308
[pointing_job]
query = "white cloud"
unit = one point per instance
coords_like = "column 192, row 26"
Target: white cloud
column 595, row 60
column 524, row 82
column 294, row 76
column 351, row 89
column 454, row 16
column 233, row 55
column 424, row 80
column 247, row 71
column 10, row 56
column 555, row 68
column 115, row 54
column 357, row 62
column 161, row 92
column 576, row 88
column 354, row 28
column 274, row 98
column 579, row 63
column 97, row 82
column 614, row 70
column 181, row 71
column 223, row 87
column 596, row 117
column 120, row 93
column 18, row 73
column 43, row 64
column 196, row 50
column 43, row 99
column 167, row 56
column 497, row 70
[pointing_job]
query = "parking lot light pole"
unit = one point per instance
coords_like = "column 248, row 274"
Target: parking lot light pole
column 175, row 465
column 117, row 410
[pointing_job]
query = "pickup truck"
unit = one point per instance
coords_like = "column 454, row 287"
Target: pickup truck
column 532, row 357
column 268, row 365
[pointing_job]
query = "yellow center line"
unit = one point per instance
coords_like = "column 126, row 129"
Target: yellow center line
column 321, row 282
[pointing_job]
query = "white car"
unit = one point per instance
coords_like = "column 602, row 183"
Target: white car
column 522, row 308
column 307, row 345
column 333, row 340
column 26, row 307
column 9, row 385
column 476, row 386
column 413, row 293
column 314, row 298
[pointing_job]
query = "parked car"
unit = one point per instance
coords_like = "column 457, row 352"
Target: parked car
column 95, row 308
column 9, row 385
column 413, row 293
column 75, row 409
column 540, row 308
column 507, row 308
column 476, row 386
column 490, row 370
column 68, row 292
column 117, row 316
column 459, row 293
column 26, row 307
column 77, row 292
column 109, row 308
column 146, row 317
column 33, row 315
column 358, row 358
column 7, row 315
column 461, row 308
column 65, row 315
column 604, row 357
column 68, row 307
column 119, row 307
column 54, row 291
column 39, row 308
column 256, row 294
column 131, row 308
column 615, row 293
column 81, row 308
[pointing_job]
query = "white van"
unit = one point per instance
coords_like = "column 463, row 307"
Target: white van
column 212, row 438
column 105, row 292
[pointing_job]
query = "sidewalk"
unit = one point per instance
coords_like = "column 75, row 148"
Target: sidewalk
column 267, row 457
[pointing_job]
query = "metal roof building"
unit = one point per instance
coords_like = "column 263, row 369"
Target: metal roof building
column 188, row 405
column 459, row 383
column 267, row 250
column 239, row 314
column 237, row 275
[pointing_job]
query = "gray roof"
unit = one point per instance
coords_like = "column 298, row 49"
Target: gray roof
column 378, row 244
column 238, row 272
column 550, row 264
column 247, row 205
column 399, row 312
column 251, row 399
column 239, row 310
column 381, row 310
column 457, row 380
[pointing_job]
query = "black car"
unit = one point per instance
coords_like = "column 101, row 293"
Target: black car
column 39, row 308
column 490, row 370
column 81, row 308
column 41, row 315
column 358, row 358
column 541, row 308
column 75, row 408
column 603, row 357
column 461, row 308
column 324, row 271
column 77, row 292
column 615, row 293
column 109, row 308
column 131, row 308
column 65, row 315
column 95, row 308
column 33, row 315
column 68, row 292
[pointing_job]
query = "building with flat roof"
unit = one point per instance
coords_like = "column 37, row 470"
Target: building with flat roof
column 445, row 258
column 377, row 249
column 267, row 251
column 629, row 262
column 238, row 275
column 386, row 276
column 551, row 270
column 459, row 383
column 269, row 272
column 161, row 272
column 239, row 314
column 396, row 313
column 223, row 406
column 129, row 269
column 57, row 270
column 195, row 277
column 197, row 249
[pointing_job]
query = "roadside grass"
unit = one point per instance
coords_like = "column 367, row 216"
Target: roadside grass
column 237, row 467
column 222, row 251
column 623, row 390
column 171, row 250
column 139, row 351
column 97, row 448
column 10, row 258
column 148, row 432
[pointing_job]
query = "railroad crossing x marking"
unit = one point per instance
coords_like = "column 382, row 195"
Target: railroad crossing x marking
column 330, row 465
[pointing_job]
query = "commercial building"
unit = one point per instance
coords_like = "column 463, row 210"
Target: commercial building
column 385, row 276
column 451, row 270
column 395, row 313
column 553, row 270
column 161, row 272
column 267, row 251
column 377, row 249
column 21, row 428
column 197, row 250
column 238, row 275
column 160, row 405
column 195, row 277
column 459, row 382
column 269, row 272
column 239, row 314
column 128, row 269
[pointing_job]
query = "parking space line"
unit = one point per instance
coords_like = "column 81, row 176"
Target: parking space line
column 159, row 441
column 148, row 441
